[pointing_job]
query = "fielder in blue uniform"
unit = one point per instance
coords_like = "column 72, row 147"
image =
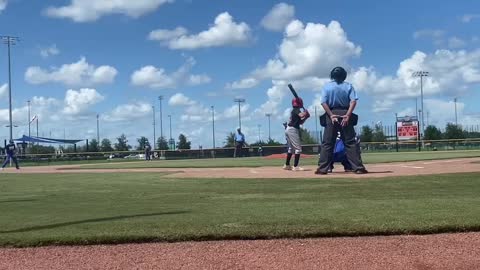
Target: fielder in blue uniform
column 10, row 155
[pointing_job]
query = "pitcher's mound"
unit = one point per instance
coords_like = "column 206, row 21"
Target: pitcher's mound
column 283, row 156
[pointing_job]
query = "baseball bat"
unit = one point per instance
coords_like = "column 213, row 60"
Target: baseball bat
column 293, row 90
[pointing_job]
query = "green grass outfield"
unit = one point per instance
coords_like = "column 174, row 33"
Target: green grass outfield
column 260, row 161
column 141, row 207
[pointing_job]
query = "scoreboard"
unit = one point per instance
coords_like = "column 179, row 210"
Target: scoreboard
column 407, row 128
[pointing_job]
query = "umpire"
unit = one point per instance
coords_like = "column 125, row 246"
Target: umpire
column 239, row 143
column 339, row 100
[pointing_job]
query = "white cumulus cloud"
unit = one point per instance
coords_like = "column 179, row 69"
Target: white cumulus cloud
column 450, row 73
column 77, row 102
column 455, row 43
column 180, row 99
column 3, row 91
column 278, row 17
column 50, row 51
column 306, row 51
column 80, row 73
column 3, row 5
column 441, row 112
column 232, row 111
column 158, row 78
column 469, row 17
column 225, row 31
column 243, row 83
column 92, row 10
column 128, row 112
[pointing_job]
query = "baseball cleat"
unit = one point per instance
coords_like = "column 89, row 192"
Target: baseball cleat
column 287, row 167
column 320, row 172
column 361, row 171
column 298, row 168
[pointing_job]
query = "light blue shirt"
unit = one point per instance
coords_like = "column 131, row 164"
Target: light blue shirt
column 338, row 95
column 239, row 137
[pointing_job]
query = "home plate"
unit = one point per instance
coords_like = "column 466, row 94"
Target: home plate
column 413, row 167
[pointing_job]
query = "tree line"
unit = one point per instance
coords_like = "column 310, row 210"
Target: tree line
column 452, row 131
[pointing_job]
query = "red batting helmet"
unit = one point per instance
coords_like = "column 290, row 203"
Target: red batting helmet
column 297, row 102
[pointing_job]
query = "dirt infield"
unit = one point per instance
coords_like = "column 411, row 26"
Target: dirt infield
column 443, row 251
column 376, row 170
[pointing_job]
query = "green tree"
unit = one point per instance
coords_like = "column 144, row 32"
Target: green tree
column 471, row 134
column 68, row 149
column 183, row 143
column 122, row 143
column 142, row 143
column 40, row 149
column 366, row 134
column 453, row 131
column 378, row 135
column 306, row 137
column 106, row 146
column 272, row 142
column 162, row 143
column 432, row 133
column 94, row 146
column 230, row 140
column 258, row 143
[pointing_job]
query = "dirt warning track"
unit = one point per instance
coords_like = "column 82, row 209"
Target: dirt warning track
column 441, row 251
column 376, row 170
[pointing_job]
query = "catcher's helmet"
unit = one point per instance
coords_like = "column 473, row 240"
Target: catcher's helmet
column 338, row 74
column 297, row 102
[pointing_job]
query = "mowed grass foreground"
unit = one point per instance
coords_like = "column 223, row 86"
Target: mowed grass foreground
column 119, row 208
column 262, row 161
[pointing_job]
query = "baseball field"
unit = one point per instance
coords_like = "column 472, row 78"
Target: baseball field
column 427, row 193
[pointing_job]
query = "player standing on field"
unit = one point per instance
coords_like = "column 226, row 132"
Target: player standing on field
column 292, row 132
column 339, row 100
column 10, row 155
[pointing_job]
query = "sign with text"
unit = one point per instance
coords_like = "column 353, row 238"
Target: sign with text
column 407, row 128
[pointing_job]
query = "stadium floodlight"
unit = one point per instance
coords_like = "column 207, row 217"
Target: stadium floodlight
column 239, row 101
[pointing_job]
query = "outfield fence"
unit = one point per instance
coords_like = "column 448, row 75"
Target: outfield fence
column 251, row 151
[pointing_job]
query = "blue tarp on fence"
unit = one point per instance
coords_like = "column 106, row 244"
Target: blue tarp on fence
column 45, row 140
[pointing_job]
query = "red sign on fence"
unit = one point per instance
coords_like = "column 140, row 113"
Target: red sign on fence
column 407, row 130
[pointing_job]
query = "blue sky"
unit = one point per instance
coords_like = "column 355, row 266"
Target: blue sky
column 76, row 59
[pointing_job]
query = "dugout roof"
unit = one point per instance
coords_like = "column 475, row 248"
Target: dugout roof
column 32, row 139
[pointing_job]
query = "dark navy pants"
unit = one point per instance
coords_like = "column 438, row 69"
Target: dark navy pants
column 7, row 159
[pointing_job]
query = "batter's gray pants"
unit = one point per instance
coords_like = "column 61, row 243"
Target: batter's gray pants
column 293, row 140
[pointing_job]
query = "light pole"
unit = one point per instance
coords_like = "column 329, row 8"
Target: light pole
column 154, row 135
column 416, row 108
column 170, row 141
column 213, row 126
column 421, row 74
column 9, row 41
column 456, row 119
column 269, row 115
column 98, row 128
column 160, row 98
column 259, row 138
column 170, row 120
column 29, row 120
column 239, row 101
column 316, row 126
column 36, row 118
